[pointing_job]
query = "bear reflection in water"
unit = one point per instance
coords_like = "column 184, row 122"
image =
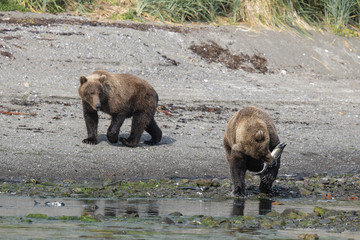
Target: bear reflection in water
column 175, row 207
column 265, row 206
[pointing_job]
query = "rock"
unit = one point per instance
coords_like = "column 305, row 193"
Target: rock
column 166, row 220
column 225, row 224
column 273, row 214
column 307, row 236
column 304, row 192
column 204, row 182
column 91, row 217
column 91, row 207
column 324, row 181
column 291, row 213
column 320, row 211
column 215, row 183
column 332, row 181
column 77, row 190
column 176, row 214
column 184, row 181
column 209, row 221
column 267, row 225
column 131, row 215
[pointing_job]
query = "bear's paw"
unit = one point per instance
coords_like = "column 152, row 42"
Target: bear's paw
column 127, row 143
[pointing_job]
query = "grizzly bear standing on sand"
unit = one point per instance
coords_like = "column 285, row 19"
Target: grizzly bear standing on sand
column 249, row 138
column 121, row 96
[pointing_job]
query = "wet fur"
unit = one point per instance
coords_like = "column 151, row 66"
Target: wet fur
column 121, row 96
column 249, row 138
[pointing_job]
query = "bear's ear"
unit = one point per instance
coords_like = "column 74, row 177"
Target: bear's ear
column 83, row 80
column 259, row 136
column 237, row 147
column 102, row 79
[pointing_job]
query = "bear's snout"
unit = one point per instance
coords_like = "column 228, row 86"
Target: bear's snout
column 98, row 106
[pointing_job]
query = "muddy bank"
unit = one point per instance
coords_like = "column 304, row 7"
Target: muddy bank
column 341, row 187
column 308, row 84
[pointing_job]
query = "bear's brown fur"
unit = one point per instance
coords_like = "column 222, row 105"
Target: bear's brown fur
column 121, row 96
column 249, row 138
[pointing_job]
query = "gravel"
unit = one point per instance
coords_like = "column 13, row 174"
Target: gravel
column 311, row 89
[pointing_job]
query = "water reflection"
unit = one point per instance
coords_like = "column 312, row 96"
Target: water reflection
column 145, row 207
column 136, row 207
column 113, row 208
column 151, row 228
column 238, row 207
column 265, row 206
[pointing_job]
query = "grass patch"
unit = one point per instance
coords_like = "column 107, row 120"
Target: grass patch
column 186, row 10
column 11, row 5
column 341, row 16
column 129, row 15
column 297, row 14
column 339, row 12
column 53, row 6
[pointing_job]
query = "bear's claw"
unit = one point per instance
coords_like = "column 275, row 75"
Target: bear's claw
column 90, row 141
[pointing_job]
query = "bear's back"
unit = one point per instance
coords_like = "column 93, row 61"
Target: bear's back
column 246, row 123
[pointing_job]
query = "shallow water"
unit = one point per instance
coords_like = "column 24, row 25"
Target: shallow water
column 22, row 206
column 150, row 211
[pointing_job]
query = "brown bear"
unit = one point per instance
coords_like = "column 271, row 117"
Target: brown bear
column 249, row 138
column 121, row 96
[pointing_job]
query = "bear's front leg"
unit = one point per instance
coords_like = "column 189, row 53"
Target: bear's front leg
column 91, row 121
column 237, row 171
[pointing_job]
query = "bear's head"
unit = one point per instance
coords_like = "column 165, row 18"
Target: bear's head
column 253, row 140
column 91, row 90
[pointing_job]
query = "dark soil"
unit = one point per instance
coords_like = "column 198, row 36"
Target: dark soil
column 55, row 21
column 212, row 52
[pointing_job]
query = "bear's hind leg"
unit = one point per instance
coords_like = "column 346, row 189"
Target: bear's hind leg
column 138, row 125
column 154, row 131
column 114, row 128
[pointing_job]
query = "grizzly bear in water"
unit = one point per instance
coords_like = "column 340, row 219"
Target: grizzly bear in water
column 249, row 138
column 121, row 96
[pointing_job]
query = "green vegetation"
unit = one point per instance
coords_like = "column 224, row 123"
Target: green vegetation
column 342, row 16
column 274, row 13
column 186, row 10
column 51, row 6
column 11, row 5
column 37, row 215
column 130, row 14
column 89, row 217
